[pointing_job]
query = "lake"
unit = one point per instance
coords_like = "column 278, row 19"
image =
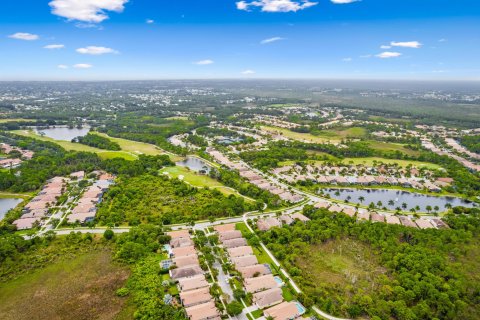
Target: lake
column 398, row 197
column 63, row 133
column 194, row 164
column 6, row 204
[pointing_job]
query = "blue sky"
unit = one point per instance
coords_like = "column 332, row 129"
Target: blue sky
column 165, row 39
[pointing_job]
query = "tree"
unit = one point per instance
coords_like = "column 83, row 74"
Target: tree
column 234, row 308
column 108, row 234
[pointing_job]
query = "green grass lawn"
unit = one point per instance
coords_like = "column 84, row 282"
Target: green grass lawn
column 402, row 163
column 341, row 133
column 134, row 147
column 388, row 146
column 82, row 287
column 287, row 293
column 307, row 137
column 15, row 120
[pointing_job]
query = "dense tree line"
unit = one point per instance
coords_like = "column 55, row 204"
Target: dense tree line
column 472, row 143
column 427, row 275
column 233, row 180
column 149, row 198
column 96, row 141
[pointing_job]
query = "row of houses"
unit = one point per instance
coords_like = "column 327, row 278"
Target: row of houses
column 366, row 180
column 364, row 215
column 38, row 207
column 15, row 162
column 258, row 280
column 427, row 144
column 86, row 208
column 194, row 288
column 265, row 224
column 254, row 178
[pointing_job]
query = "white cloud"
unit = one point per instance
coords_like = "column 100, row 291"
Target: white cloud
column 86, row 10
column 248, row 72
column 276, row 5
column 442, row 40
column 82, row 66
column 93, row 50
column 347, row 59
column 388, row 54
column 24, row 36
column 407, row 44
column 54, row 46
column 270, row 40
column 62, row 66
column 204, row 62
column 385, row 47
column 344, row 1
column 150, row 21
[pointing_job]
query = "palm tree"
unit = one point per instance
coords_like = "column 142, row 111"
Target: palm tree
column 391, row 202
column 404, row 205
column 429, row 208
column 361, row 199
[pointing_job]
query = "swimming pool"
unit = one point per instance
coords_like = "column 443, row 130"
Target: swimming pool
column 278, row 280
column 301, row 309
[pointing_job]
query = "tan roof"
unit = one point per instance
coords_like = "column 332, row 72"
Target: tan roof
column 181, row 242
column 228, row 235
column 192, row 283
column 283, row 311
column 335, row 208
column 260, row 283
column 245, row 261
column 186, row 272
column 300, row 217
column 377, row 217
column 194, row 297
column 184, row 261
column 184, row 251
column 322, row 204
column 179, row 234
column 250, row 271
column 203, row 311
column 224, row 227
column 239, row 242
column 392, row 219
column 240, row 251
column 407, row 222
column 424, row 224
column 268, row 298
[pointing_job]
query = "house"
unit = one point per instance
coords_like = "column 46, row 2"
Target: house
column 181, row 242
column 322, row 204
column 224, row 227
column 179, row 234
column 407, row 222
column 377, row 217
column 424, row 224
column 439, row 223
column 229, row 235
column 283, row 311
column 79, row 175
column 260, row 283
column 392, row 219
column 234, row 243
column 204, row 311
column 349, row 211
column 195, row 297
column 184, row 251
column 185, row 261
column 363, row 215
column 240, row 251
column 251, row 271
column 186, row 272
column 299, row 216
column 197, row 282
column 335, row 208
column 404, row 182
column 244, row 261
column 268, row 298
column 25, row 223
column 286, row 219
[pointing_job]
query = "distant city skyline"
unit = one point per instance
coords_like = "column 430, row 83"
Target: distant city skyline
column 208, row 39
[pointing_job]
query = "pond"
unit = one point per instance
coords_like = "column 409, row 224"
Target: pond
column 392, row 199
column 63, row 133
column 6, row 204
column 195, row 164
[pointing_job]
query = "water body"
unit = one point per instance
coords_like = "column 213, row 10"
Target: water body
column 398, row 197
column 63, row 133
column 6, row 204
column 195, row 164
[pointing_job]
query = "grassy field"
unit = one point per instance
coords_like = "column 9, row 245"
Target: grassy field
column 200, row 181
column 338, row 134
column 81, row 288
column 369, row 162
column 130, row 149
column 388, row 146
column 15, row 120
column 344, row 267
column 306, row 137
